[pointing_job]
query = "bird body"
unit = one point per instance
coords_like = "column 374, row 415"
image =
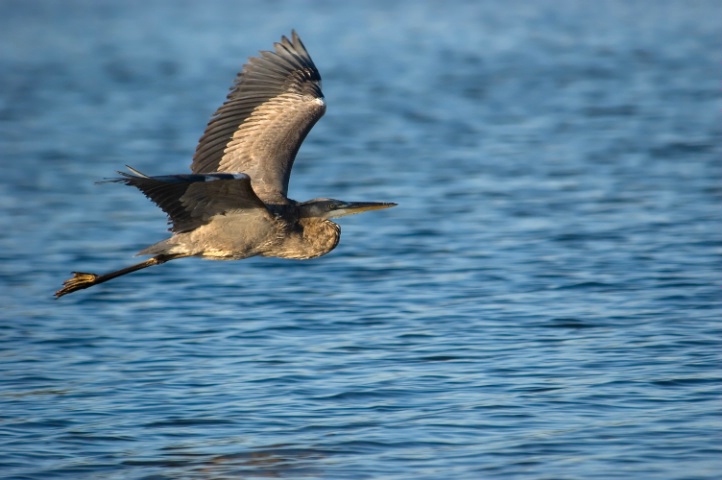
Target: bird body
column 242, row 236
column 234, row 204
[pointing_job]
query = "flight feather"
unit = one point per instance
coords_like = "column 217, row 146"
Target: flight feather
column 273, row 104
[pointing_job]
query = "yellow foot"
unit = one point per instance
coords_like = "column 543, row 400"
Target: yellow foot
column 79, row 281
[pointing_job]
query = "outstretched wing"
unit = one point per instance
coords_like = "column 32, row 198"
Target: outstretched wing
column 274, row 103
column 192, row 200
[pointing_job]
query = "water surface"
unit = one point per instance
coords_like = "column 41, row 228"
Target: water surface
column 543, row 303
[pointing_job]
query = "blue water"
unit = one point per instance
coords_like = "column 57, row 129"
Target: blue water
column 544, row 303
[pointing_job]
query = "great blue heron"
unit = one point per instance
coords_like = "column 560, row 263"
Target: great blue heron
column 234, row 205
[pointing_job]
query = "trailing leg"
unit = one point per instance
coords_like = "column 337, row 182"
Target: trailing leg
column 81, row 280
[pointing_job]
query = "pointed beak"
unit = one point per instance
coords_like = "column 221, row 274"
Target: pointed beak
column 352, row 208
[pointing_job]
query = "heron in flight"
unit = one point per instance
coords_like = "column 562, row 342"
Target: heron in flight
column 234, row 203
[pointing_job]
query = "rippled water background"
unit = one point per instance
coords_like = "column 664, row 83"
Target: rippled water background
column 543, row 303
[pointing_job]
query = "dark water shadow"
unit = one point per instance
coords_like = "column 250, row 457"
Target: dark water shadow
column 273, row 461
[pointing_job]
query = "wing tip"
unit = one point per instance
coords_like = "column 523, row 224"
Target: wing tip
column 287, row 68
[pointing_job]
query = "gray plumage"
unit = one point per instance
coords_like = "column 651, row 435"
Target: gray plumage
column 234, row 204
column 275, row 101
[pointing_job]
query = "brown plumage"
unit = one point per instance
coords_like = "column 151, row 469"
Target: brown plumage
column 234, row 204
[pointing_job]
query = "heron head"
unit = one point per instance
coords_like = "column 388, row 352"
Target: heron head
column 329, row 208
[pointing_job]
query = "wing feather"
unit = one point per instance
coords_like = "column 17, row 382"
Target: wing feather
column 274, row 103
column 192, row 200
